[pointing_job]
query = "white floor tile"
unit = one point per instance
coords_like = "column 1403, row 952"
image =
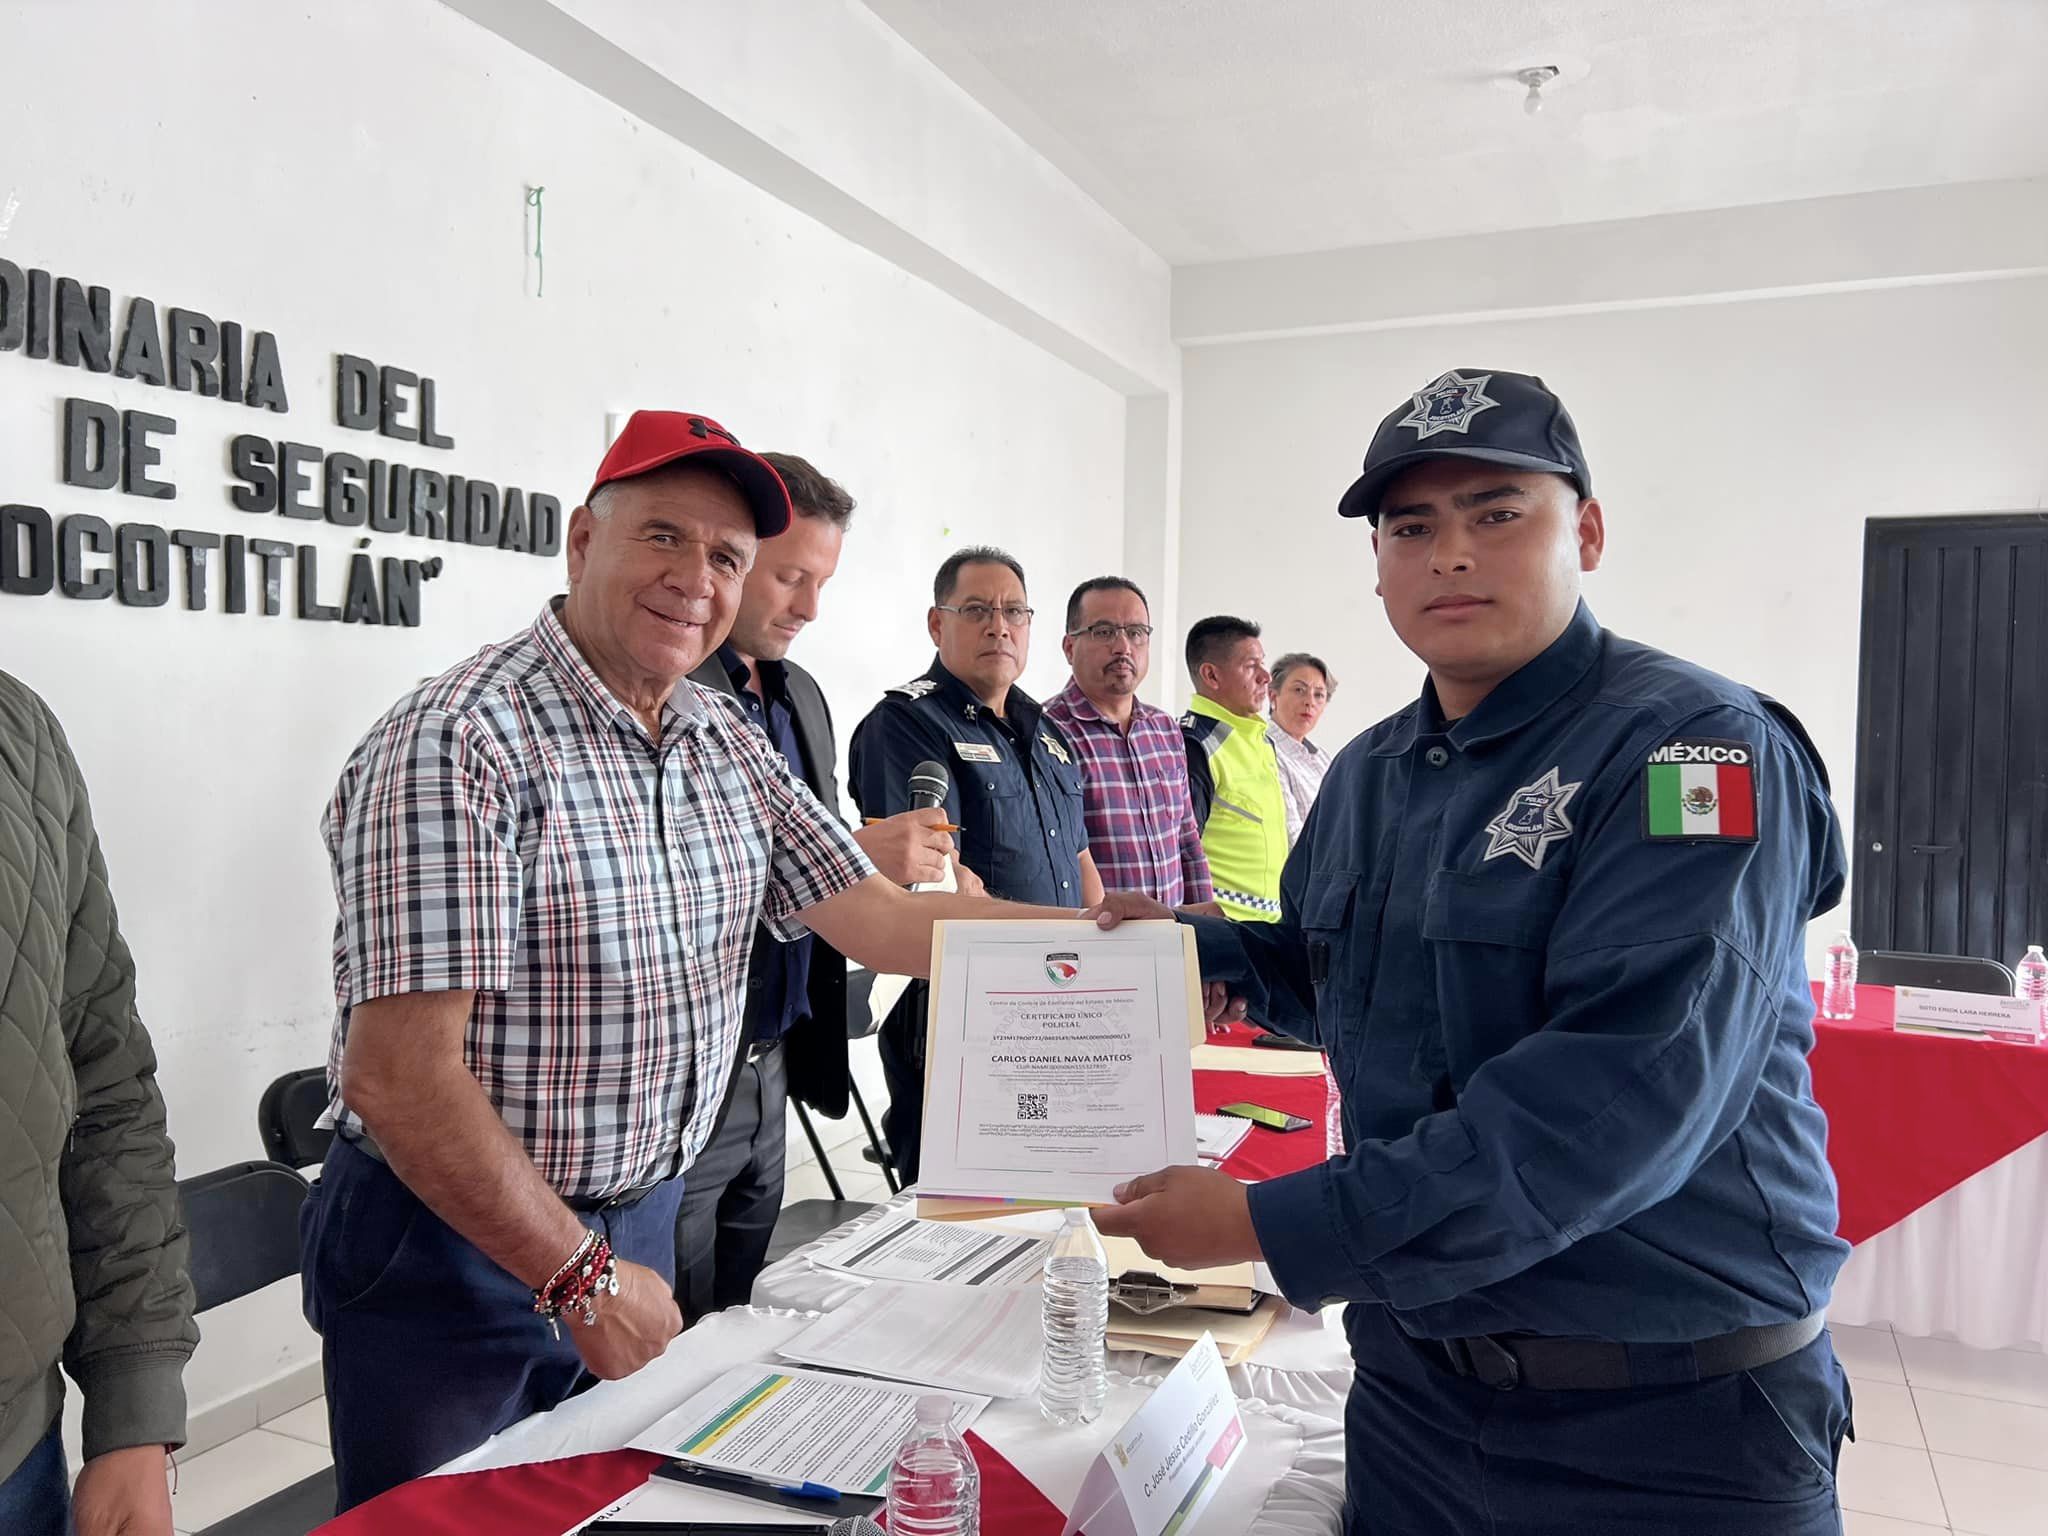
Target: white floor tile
column 1982, row 1427
column 1885, row 1413
column 844, row 1132
column 2011, row 1375
column 1893, row 1480
column 1854, row 1524
column 229, row 1478
column 1868, row 1354
column 1986, row 1499
column 309, row 1422
column 806, row 1183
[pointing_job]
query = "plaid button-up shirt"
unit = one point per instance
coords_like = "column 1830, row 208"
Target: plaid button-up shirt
column 511, row 829
column 1142, row 831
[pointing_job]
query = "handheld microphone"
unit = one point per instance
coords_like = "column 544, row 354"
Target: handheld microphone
column 929, row 785
column 855, row 1525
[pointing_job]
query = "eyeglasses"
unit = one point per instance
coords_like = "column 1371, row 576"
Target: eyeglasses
column 1105, row 633
column 1016, row 615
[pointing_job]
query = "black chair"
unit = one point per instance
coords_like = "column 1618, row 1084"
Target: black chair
column 244, row 1226
column 1952, row 973
column 284, row 1119
column 244, row 1222
column 805, row 1221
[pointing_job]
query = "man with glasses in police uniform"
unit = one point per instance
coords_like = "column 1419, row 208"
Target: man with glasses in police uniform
column 1015, row 791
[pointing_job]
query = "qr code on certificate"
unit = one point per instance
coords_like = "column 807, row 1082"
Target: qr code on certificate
column 1031, row 1106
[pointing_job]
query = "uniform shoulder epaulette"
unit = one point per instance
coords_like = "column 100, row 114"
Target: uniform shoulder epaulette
column 916, row 688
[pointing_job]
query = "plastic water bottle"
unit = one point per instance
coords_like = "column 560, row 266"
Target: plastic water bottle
column 2032, row 977
column 934, row 1485
column 1072, row 1379
column 1333, row 1113
column 1838, row 992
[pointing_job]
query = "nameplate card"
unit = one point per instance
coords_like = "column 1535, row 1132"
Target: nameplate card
column 1165, row 1465
column 1932, row 1011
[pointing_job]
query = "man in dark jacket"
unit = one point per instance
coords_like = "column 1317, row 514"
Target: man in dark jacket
column 795, row 1027
column 92, row 1268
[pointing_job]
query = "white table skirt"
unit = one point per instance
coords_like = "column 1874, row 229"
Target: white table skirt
column 1970, row 1265
column 1289, row 1482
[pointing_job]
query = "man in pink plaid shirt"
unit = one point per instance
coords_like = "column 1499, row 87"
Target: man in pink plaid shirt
column 1142, row 829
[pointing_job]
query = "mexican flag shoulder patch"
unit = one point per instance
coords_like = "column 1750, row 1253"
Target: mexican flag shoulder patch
column 1697, row 790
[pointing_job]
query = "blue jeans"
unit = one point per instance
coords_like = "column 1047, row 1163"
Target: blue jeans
column 35, row 1500
column 1429, row 1453
column 427, row 1346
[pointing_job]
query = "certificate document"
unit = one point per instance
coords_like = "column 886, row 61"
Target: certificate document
column 1057, row 1063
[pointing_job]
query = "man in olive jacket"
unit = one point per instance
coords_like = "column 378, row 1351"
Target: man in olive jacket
column 92, row 1251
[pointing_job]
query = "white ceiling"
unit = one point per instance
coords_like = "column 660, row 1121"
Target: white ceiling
column 1218, row 129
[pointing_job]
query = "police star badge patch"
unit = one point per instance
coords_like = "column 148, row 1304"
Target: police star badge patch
column 1448, row 405
column 1533, row 820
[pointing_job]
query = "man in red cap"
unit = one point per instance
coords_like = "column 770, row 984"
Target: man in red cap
column 549, row 862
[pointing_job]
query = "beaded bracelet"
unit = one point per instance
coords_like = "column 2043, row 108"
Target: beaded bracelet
column 592, row 1270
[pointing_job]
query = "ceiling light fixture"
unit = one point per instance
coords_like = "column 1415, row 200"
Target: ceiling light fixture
column 1535, row 79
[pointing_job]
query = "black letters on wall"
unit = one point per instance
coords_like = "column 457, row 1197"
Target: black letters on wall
column 72, row 323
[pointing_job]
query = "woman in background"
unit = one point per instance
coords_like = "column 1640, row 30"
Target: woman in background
column 1302, row 690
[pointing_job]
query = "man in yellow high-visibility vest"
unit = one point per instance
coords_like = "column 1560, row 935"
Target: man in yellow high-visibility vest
column 1233, row 775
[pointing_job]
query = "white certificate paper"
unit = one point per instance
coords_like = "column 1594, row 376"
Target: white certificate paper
column 1057, row 1064
column 770, row 1421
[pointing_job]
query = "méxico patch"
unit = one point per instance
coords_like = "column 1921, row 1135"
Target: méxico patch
column 1697, row 790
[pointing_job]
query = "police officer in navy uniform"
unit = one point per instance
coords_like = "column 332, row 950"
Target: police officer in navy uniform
column 1548, row 922
column 1015, row 786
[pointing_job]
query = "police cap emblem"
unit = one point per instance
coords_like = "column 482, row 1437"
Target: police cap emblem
column 1448, row 405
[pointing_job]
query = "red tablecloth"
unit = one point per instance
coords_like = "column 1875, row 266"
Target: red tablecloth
column 1912, row 1116
column 1266, row 1153
column 546, row 1498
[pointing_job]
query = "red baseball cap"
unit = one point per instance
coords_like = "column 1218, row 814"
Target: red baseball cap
column 654, row 438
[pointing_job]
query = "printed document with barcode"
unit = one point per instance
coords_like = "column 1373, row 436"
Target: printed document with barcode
column 1058, row 1059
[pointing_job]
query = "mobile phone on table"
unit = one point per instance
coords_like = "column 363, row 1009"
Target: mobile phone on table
column 1271, row 1119
column 1282, row 1042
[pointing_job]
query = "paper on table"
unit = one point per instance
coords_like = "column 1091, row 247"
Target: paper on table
column 1265, row 1062
column 956, row 1339
column 1217, row 1136
column 799, row 1425
column 617, row 1506
column 906, row 1249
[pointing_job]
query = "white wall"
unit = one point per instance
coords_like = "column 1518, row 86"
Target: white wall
column 352, row 178
column 1737, row 449
column 829, row 84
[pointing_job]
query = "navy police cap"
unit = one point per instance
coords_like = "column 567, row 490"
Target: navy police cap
column 1497, row 418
